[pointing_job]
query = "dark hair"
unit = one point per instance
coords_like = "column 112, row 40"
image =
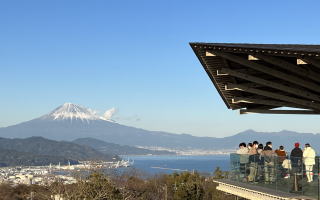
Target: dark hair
column 255, row 142
column 250, row 144
column 260, row 146
column 242, row 144
column 281, row 147
column 268, row 143
column 307, row 145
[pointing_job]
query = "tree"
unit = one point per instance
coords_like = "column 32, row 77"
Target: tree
column 218, row 174
column 95, row 187
column 185, row 186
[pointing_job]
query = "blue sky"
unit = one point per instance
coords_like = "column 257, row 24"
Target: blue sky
column 135, row 56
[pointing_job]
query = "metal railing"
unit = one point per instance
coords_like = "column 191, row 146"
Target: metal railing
column 286, row 174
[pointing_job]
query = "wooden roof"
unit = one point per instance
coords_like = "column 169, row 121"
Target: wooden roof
column 261, row 78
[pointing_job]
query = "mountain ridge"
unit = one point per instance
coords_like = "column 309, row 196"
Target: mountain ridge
column 108, row 131
column 116, row 149
column 41, row 151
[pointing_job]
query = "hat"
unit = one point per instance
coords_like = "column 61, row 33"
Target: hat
column 296, row 144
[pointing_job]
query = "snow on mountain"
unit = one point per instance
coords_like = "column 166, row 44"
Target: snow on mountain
column 69, row 111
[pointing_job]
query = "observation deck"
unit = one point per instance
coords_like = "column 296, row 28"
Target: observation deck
column 252, row 178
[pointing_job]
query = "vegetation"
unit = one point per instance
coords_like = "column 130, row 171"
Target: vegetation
column 16, row 158
column 42, row 151
column 128, row 186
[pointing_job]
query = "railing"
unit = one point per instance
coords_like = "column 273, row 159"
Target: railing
column 286, row 174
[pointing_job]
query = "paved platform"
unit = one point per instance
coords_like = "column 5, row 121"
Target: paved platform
column 255, row 192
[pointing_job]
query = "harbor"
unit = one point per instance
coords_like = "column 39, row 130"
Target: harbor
column 46, row 175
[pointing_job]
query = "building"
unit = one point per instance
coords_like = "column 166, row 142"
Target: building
column 261, row 78
column 269, row 79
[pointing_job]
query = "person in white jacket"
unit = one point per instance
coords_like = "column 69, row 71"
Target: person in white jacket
column 309, row 160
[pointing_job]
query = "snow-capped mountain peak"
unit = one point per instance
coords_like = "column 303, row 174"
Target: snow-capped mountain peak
column 74, row 112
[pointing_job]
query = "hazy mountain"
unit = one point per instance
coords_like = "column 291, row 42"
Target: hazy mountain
column 116, row 149
column 69, row 122
column 38, row 146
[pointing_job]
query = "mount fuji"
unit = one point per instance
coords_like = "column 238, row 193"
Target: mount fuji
column 69, row 111
column 70, row 122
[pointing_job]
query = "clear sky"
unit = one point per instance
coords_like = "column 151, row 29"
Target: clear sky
column 135, row 56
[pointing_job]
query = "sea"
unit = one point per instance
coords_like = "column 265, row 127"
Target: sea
column 166, row 164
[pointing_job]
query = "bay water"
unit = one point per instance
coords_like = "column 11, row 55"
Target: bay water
column 155, row 164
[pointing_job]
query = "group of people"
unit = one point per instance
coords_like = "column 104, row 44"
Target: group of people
column 262, row 163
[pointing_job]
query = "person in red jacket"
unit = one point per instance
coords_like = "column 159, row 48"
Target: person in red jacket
column 282, row 155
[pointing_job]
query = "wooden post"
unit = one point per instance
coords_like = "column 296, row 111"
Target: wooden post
column 165, row 192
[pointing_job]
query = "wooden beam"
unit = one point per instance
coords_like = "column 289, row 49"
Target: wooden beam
column 262, row 111
column 251, row 57
column 209, row 54
column 238, row 86
column 208, row 68
column 301, row 62
column 273, row 95
column 252, row 85
column 272, row 84
column 313, row 61
column 249, row 71
column 290, row 67
column 269, row 102
column 270, row 71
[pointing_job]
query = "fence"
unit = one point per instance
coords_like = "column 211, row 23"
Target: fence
column 287, row 174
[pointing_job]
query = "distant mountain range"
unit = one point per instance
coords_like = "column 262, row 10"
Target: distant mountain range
column 41, row 151
column 285, row 137
column 116, row 149
column 70, row 122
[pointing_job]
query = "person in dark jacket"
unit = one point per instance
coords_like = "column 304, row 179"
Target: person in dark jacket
column 260, row 170
column 296, row 163
column 296, row 158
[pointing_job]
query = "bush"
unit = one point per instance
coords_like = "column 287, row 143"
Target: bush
column 97, row 186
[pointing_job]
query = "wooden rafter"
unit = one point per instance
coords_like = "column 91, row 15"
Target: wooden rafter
column 308, row 104
column 315, row 62
column 262, row 111
column 290, row 67
column 255, row 100
column 272, row 84
column 281, row 75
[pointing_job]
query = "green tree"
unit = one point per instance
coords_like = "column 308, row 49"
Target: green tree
column 185, row 186
column 218, row 174
column 95, row 187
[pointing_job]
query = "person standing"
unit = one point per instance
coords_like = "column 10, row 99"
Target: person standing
column 309, row 160
column 269, row 164
column 296, row 158
column 242, row 149
column 253, row 160
column 242, row 153
column 260, row 169
column 282, row 155
column 296, row 163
